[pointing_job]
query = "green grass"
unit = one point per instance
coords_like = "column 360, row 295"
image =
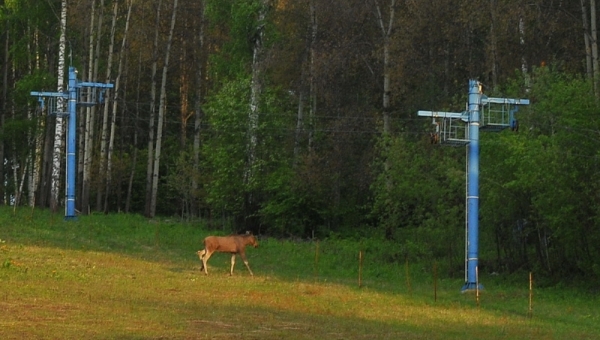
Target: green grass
column 123, row 277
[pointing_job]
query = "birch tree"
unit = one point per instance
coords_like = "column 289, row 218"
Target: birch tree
column 61, row 107
column 150, row 161
column 115, row 102
column 255, row 92
column 88, row 137
column 161, row 114
column 105, row 113
column 308, row 74
column 387, row 26
column 4, row 101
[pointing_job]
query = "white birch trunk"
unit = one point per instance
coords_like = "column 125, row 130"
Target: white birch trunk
column 15, row 162
column 113, row 121
column 150, row 161
column 161, row 114
column 255, row 94
column 61, row 107
column 386, row 33
column 38, row 138
column 4, row 100
column 103, row 161
column 86, row 142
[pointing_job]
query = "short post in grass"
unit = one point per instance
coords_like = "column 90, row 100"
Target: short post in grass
column 477, row 285
column 407, row 277
column 360, row 264
column 435, row 281
column 316, row 271
column 530, row 311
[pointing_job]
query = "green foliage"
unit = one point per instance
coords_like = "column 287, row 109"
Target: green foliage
column 537, row 188
column 225, row 153
column 419, row 202
column 237, row 20
column 292, row 207
column 37, row 81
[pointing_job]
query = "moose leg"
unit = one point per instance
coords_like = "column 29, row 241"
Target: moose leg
column 243, row 256
column 201, row 255
column 232, row 263
column 205, row 260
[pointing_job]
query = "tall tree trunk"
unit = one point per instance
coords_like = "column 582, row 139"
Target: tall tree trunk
column 161, row 114
column 135, row 134
column 312, row 95
column 38, row 137
column 386, row 33
column 16, row 163
column 184, row 88
column 198, row 113
column 91, row 118
column 103, row 161
column 150, row 161
column 594, row 47
column 115, row 103
column 493, row 45
column 4, row 103
column 586, row 38
column 255, row 94
column 299, row 124
column 524, row 66
column 61, row 107
column 83, row 129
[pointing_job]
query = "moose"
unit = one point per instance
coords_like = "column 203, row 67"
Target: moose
column 235, row 244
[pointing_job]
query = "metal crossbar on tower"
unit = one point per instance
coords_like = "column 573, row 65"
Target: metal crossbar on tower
column 491, row 114
column 73, row 98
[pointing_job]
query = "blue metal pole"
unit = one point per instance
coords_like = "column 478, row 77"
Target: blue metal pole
column 473, row 188
column 71, row 144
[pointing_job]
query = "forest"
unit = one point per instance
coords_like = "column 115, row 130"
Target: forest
column 299, row 119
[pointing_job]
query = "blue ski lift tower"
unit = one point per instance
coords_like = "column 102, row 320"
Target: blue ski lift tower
column 78, row 93
column 462, row 128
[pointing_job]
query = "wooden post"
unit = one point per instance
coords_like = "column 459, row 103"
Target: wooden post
column 316, row 272
column 477, row 285
column 435, row 281
column 530, row 312
column 407, row 277
column 360, row 264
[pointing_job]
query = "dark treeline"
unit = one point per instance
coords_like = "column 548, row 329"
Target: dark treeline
column 298, row 118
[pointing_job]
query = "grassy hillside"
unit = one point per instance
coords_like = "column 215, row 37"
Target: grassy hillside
column 123, row 277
